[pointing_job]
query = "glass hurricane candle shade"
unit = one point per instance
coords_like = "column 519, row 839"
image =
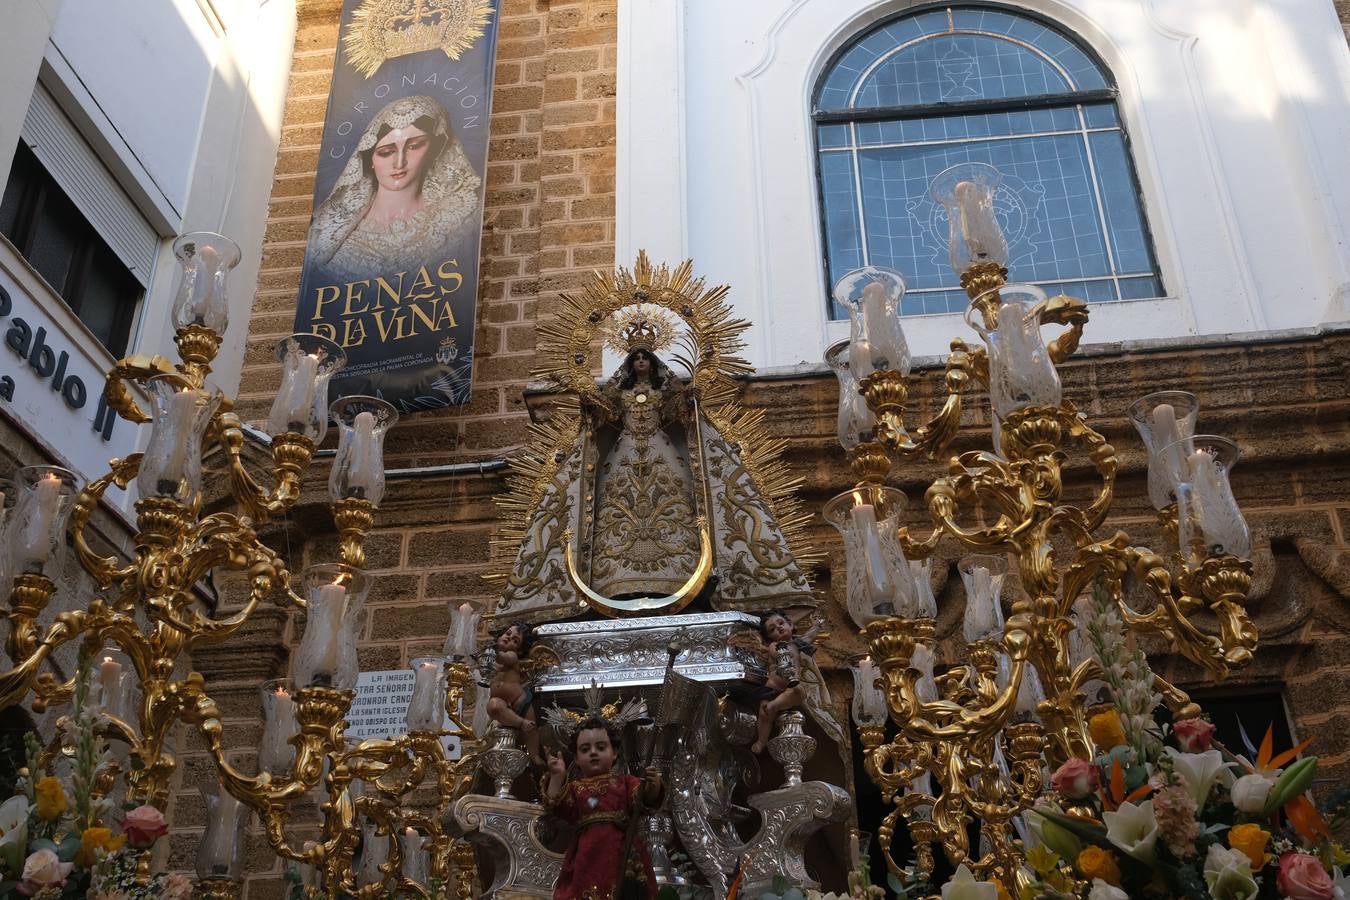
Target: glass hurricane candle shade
column 869, row 701
column 1021, row 373
column 983, row 577
column 221, row 852
column 358, row 468
column 415, row 866
column 35, row 533
column 206, row 259
column 462, row 639
column 856, row 423
column 1166, row 422
column 9, row 495
column 426, row 708
column 879, row 580
column 275, row 753
column 1209, row 522
column 335, row 596
column 308, row 362
column 966, row 191
column 876, row 341
column 172, row 465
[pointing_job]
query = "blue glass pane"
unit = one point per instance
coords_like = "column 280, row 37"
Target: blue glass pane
column 1140, row 288
column 1091, row 291
column 843, row 245
column 1046, row 206
column 832, row 136
column 1124, row 219
column 1101, row 115
column 951, row 68
column 1082, row 72
column 949, row 128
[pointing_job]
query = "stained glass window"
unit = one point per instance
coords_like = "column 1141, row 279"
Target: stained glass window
column 917, row 94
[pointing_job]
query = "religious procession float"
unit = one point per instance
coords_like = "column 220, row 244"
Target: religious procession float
column 646, row 709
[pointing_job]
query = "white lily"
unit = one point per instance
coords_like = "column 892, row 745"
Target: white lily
column 1198, row 771
column 1229, row 874
column 14, row 833
column 1340, row 883
column 1133, row 829
column 963, row 886
column 1103, row 891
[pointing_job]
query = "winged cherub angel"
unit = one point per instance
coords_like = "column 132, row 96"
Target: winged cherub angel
column 513, row 662
column 794, row 679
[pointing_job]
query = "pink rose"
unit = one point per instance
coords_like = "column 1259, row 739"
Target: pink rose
column 1075, row 780
column 1303, row 878
column 43, row 869
column 144, row 825
column 1193, row 735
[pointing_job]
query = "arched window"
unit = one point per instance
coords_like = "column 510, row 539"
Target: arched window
column 951, row 84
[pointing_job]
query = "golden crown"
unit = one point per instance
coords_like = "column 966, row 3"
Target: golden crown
column 641, row 327
column 383, row 29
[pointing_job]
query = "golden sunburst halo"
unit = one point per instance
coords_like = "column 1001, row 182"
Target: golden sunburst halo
column 384, row 29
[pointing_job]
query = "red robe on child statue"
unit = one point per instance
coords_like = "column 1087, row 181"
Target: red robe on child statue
column 599, row 807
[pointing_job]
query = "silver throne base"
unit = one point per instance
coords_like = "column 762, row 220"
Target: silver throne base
column 505, row 829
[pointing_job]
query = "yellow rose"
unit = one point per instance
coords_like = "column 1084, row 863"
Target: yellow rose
column 1106, row 730
column 51, row 798
column 1094, row 862
column 1002, row 891
column 1250, row 840
column 94, row 840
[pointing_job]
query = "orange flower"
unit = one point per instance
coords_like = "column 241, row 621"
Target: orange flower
column 1106, row 730
column 95, row 839
column 1094, row 862
column 51, row 798
column 1250, row 840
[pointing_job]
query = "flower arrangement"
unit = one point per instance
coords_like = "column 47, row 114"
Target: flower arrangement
column 60, row 838
column 1167, row 814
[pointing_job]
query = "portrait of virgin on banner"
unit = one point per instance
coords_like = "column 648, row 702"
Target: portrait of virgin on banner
column 392, row 254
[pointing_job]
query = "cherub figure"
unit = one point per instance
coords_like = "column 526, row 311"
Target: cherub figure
column 794, row 679
column 510, row 693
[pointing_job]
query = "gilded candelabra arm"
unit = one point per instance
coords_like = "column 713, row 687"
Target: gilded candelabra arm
column 887, row 393
column 1103, row 457
column 353, row 517
column 104, row 569
column 291, row 454
column 933, row 721
column 891, row 765
column 1064, row 310
column 942, row 500
column 131, row 369
column 1170, row 619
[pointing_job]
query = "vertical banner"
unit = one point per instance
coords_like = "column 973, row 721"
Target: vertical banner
column 391, row 263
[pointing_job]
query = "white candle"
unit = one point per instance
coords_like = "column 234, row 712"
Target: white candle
column 110, row 685
column 204, row 271
column 365, row 464
column 374, row 850
column 293, row 408
column 414, row 857
column 426, row 701
column 1166, row 434
column 874, row 311
column 332, row 599
column 36, row 532
column 179, row 420
column 279, row 725
column 925, row 687
column 968, row 207
column 879, row 585
column 466, row 636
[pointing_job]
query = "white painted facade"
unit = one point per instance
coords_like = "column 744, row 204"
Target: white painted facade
column 1238, row 113
column 181, row 101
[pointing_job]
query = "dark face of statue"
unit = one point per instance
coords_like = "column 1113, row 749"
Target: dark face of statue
column 595, row 753
column 642, row 365
column 509, row 641
column 778, row 628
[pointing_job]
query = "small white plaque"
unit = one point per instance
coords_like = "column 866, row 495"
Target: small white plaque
column 380, row 709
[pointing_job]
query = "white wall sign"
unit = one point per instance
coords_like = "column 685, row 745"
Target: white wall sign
column 380, row 709
column 51, row 380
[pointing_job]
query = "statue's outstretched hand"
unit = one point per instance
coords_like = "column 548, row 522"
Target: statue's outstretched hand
column 556, row 764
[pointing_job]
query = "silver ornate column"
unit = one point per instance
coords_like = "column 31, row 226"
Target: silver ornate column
column 504, row 760
column 521, row 865
column 792, row 747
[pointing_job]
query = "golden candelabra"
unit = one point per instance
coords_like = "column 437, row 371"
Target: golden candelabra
column 1014, row 707
column 147, row 608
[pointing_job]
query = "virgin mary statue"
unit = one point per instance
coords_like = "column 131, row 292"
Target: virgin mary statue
column 644, row 494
